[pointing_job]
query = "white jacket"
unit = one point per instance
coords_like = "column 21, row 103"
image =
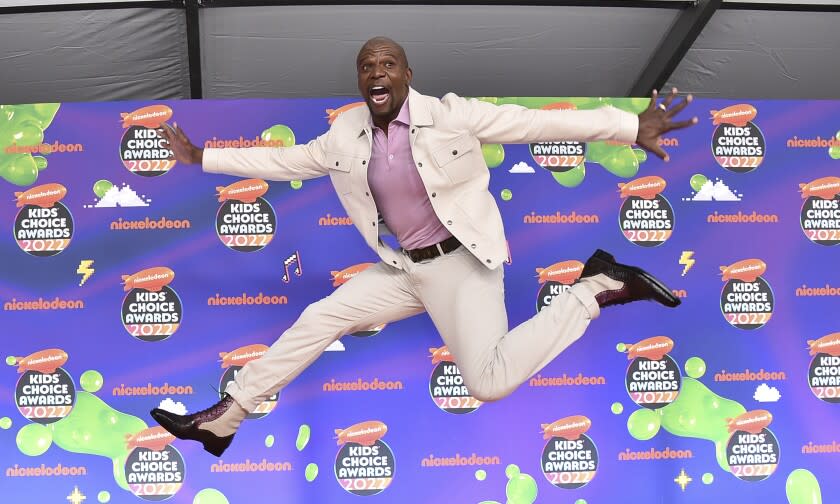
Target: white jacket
column 446, row 136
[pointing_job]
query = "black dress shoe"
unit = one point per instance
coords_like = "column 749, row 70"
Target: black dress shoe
column 187, row 426
column 638, row 285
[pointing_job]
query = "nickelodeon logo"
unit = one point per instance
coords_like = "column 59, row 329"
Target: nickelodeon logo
column 41, row 471
column 813, row 448
column 248, row 466
column 360, row 385
column 329, row 220
column 43, row 148
column 653, row 454
column 43, row 304
column 560, row 218
column 566, row 380
column 459, row 460
column 147, row 223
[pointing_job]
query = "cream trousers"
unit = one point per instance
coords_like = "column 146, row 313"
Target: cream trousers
column 465, row 301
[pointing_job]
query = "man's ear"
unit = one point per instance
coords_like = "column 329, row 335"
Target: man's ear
column 408, row 74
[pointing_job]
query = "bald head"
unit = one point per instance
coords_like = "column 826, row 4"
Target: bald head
column 382, row 42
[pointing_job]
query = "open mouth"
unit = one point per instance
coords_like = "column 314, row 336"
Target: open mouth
column 379, row 94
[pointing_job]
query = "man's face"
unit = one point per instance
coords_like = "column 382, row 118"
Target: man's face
column 384, row 78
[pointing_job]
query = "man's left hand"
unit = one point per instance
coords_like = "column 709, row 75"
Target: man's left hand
column 657, row 119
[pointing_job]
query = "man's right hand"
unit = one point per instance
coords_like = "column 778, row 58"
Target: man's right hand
column 182, row 149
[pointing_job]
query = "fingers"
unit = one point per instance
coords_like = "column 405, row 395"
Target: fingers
column 653, row 96
column 670, row 98
column 679, row 106
column 682, row 124
column 661, row 153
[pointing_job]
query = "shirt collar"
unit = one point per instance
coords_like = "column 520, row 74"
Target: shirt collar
column 404, row 116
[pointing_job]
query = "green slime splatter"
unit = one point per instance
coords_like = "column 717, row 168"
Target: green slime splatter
column 311, row 472
column 269, row 441
column 521, row 489
column 23, row 125
column 303, row 437
column 643, row 424
column 700, row 413
column 617, row 408
column 33, row 439
column 481, row 475
column 104, row 496
column 210, row 496
column 95, row 428
column 708, row 478
column 91, row 380
column 695, row 367
column 802, row 487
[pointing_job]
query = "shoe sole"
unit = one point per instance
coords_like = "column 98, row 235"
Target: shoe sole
column 208, row 446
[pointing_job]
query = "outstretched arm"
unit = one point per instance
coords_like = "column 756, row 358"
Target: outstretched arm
column 299, row 162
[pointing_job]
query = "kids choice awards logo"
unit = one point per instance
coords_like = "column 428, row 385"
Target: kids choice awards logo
column 364, row 464
column 339, row 278
column 555, row 280
column 820, row 216
column 752, row 451
column 737, row 143
column 653, row 377
column 43, row 226
column 447, row 385
column 570, row 458
column 824, row 371
column 558, row 157
column 45, row 392
column 245, row 222
column 142, row 150
column 747, row 299
column 646, row 217
column 151, row 311
column 154, row 470
column 232, row 363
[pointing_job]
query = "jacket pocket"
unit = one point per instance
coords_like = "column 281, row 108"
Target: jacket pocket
column 454, row 159
column 341, row 171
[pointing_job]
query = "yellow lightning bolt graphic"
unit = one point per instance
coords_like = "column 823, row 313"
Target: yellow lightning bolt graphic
column 686, row 260
column 85, row 270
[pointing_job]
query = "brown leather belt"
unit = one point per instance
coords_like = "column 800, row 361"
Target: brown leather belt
column 432, row 251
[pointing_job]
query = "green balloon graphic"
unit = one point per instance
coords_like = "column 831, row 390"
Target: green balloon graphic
column 40, row 162
column 269, row 441
column 101, row 187
column 802, row 487
column 617, row 408
column 643, row 424
column 5, row 423
column 279, row 132
column 834, row 152
column 91, row 380
column 621, row 162
column 695, row 367
column 44, row 112
column 21, row 171
column 708, row 478
column 621, row 347
column 311, row 472
column 210, row 496
column 481, row 475
column 10, row 360
column 494, row 154
column 33, row 439
column 521, row 489
column 511, row 470
column 640, row 154
column 296, row 184
column 103, row 496
column 580, row 501
column 571, row 178
column 697, row 181
column 507, row 194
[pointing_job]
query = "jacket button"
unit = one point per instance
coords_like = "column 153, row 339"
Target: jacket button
column 412, row 130
column 373, row 223
column 454, row 153
column 395, row 262
column 472, row 246
column 420, row 165
column 336, row 163
column 364, row 162
column 449, row 223
column 367, row 194
column 434, row 194
column 488, row 261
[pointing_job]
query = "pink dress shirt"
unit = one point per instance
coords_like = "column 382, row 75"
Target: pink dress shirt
column 398, row 190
